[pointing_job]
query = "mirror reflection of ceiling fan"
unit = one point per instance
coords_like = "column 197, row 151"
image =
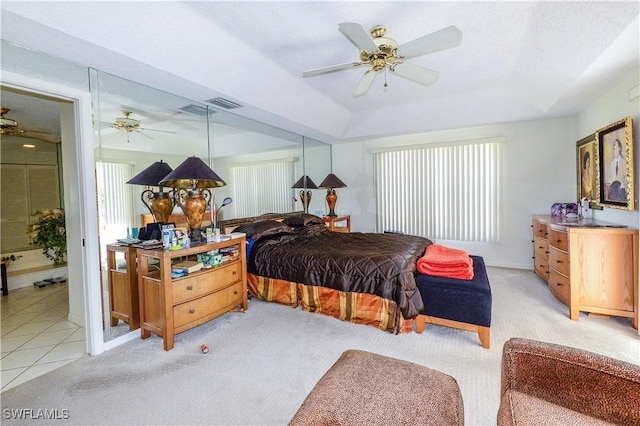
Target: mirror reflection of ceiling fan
column 10, row 127
column 382, row 53
column 128, row 125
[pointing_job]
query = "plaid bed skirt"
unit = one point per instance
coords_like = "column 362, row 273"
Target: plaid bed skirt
column 360, row 308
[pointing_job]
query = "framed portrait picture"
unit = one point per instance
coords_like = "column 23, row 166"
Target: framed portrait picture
column 586, row 152
column 615, row 155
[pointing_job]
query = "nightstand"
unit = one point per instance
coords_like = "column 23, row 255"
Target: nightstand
column 123, row 285
column 336, row 223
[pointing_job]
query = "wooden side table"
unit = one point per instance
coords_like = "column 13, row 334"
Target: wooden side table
column 123, row 286
column 335, row 223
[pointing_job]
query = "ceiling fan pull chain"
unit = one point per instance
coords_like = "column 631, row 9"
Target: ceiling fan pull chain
column 385, row 77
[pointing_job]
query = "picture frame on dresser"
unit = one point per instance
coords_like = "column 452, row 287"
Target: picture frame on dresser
column 615, row 164
column 587, row 176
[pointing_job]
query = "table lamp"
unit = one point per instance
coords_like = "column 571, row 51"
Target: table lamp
column 160, row 203
column 305, row 198
column 331, row 182
column 190, row 181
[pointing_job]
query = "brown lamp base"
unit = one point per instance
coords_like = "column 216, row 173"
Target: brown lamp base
column 332, row 198
column 160, row 204
column 194, row 204
column 305, row 198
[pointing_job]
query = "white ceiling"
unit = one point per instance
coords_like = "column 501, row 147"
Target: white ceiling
column 517, row 61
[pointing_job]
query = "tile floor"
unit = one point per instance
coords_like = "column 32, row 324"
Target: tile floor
column 35, row 334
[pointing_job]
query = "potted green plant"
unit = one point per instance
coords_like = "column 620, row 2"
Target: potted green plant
column 49, row 233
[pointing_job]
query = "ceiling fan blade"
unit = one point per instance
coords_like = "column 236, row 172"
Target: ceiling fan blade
column 446, row 38
column 142, row 133
column 358, row 36
column 415, row 73
column 156, row 130
column 330, row 69
column 365, row 83
column 39, row 136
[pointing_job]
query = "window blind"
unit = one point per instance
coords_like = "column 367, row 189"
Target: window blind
column 115, row 200
column 447, row 192
column 258, row 188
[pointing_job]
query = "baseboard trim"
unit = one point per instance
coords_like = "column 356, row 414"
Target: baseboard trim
column 132, row 335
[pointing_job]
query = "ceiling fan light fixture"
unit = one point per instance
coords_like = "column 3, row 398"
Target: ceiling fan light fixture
column 126, row 124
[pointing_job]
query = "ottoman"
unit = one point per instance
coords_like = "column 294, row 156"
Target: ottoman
column 462, row 304
column 363, row 388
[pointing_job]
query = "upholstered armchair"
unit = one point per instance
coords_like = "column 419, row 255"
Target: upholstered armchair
column 548, row 384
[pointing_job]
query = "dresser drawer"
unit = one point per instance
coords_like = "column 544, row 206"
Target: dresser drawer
column 540, row 247
column 559, row 286
column 207, row 306
column 559, row 239
column 206, row 281
column 541, row 268
column 539, row 229
column 559, row 260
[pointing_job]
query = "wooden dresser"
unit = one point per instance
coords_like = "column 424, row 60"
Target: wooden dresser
column 170, row 306
column 590, row 266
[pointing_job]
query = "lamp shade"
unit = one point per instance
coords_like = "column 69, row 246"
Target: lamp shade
column 305, row 182
column 152, row 175
column 332, row 181
column 192, row 173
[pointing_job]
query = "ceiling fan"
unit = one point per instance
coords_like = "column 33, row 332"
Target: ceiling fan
column 11, row 127
column 380, row 52
column 128, row 125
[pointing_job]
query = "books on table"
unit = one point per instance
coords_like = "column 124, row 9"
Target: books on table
column 187, row 266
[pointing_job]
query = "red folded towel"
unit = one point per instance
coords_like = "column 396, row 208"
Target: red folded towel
column 460, row 273
column 446, row 262
column 437, row 254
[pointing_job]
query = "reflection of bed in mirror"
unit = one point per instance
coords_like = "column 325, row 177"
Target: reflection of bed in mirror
column 366, row 278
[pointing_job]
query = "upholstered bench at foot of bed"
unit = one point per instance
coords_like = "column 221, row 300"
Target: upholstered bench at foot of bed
column 363, row 388
column 462, row 304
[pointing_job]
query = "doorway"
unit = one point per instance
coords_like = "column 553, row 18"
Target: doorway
column 77, row 172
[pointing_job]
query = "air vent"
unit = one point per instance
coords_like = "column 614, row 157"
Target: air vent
column 223, row 103
column 195, row 109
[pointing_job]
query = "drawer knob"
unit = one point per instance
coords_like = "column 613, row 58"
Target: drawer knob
column 189, row 287
column 192, row 311
column 558, row 241
column 558, row 261
column 234, row 272
column 559, row 284
column 235, row 292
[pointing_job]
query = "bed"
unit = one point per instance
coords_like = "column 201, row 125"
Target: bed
column 366, row 278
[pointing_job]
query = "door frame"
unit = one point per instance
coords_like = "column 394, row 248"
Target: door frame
column 80, row 200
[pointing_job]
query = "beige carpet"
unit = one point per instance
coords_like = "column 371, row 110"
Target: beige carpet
column 262, row 363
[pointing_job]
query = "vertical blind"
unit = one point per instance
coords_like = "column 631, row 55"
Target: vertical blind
column 444, row 193
column 115, row 200
column 257, row 188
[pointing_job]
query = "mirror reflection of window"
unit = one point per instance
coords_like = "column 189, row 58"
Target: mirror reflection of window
column 271, row 195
